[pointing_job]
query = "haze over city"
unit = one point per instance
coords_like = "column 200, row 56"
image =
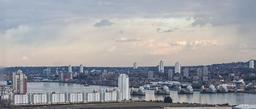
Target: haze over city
column 114, row 33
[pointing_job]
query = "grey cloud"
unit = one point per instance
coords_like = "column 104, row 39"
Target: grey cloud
column 103, row 23
column 240, row 13
column 29, row 35
column 223, row 12
column 201, row 21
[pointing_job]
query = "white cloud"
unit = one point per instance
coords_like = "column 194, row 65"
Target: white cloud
column 195, row 43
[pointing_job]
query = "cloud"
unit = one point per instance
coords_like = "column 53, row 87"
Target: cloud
column 194, row 44
column 31, row 35
column 161, row 30
column 103, row 23
column 17, row 32
column 126, row 39
column 50, row 30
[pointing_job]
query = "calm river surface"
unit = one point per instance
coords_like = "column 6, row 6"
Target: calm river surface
column 231, row 98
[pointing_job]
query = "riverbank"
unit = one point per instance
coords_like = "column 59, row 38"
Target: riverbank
column 122, row 105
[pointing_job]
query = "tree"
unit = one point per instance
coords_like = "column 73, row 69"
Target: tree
column 167, row 99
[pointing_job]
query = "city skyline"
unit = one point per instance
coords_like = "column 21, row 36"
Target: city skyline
column 114, row 33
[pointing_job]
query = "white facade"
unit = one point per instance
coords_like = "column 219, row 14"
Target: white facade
column 149, row 95
column 39, row 98
column 109, row 96
column 93, row 97
column 19, row 82
column 123, row 86
column 251, row 64
column 81, row 69
column 58, row 98
column 76, row 97
column 177, row 67
column 63, row 98
column 21, row 99
column 161, row 66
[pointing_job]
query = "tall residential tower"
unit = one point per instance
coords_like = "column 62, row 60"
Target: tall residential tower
column 161, row 66
column 123, row 86
column 177, row 68
column 251, row 64
column 81, row 69
column 19, row 84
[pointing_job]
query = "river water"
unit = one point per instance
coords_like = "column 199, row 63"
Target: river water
column 230, row 98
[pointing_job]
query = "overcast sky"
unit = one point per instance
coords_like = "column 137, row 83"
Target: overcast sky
column 120, row 32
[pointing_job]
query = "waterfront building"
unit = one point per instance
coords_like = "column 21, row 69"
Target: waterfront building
column 251, row 64
column 19, row 84
column 108, row 95
column 93, row 96
column 81, row 69
column 177, row 67
column 149, row 95
column 123, row 86
column 161, row 66
column 135, row 65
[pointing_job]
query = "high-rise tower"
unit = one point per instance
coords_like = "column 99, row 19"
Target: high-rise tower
column 81, row 69
column 19, row 82
column 123, row 86
column 251, row 64
column 177, row 67
column 161, row 66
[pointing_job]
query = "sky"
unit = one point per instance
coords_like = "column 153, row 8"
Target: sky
column 120, row 32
